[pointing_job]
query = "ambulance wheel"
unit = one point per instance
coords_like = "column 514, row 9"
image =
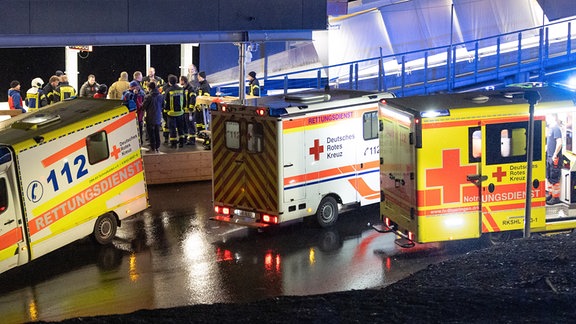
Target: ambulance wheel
column 496, row 238
column 327, row 213
column 105, row 229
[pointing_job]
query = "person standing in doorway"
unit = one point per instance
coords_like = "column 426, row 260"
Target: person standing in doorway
column 553, row 155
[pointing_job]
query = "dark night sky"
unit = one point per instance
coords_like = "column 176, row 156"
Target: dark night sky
column 105, row 62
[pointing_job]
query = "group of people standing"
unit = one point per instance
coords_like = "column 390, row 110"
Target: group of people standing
column 168, row 108
column 40, row 95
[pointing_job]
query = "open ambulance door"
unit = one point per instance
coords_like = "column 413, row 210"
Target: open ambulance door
column 504, row 174
column 398, row 137
column 13, row 251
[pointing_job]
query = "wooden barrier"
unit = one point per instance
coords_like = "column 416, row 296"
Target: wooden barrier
column 11, row 112
column 178, row 167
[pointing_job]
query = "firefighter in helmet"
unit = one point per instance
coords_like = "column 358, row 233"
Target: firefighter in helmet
column 35, row 96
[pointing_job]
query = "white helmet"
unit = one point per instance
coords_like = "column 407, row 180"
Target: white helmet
column 37, row 83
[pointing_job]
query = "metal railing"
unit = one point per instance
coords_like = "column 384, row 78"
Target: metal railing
column 526, row 55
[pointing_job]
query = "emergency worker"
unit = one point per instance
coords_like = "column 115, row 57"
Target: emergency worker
column 137, row 76
column 203, row 90
column 189, row 116
column 64, row 90
column 174, row 106
column 253, row 85
column 152, row 77
column 35, row 97
column 203, row 85
column 553, row 155
column 50, row 88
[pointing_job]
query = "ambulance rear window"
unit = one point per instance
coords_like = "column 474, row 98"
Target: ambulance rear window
column 506, row 143
column 232, row 135
column 3, row 195
column 255, row 138
column 97, row 147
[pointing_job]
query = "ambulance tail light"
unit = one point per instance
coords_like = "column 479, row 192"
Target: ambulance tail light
column 224, row 108
column 270, row 219
column 418, row 132
column 261, row 111
column 222, row 210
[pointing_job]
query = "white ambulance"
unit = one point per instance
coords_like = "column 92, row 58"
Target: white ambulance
column 67, row 171
column 285, row 157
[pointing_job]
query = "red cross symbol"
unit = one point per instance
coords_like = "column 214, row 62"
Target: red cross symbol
column 115, row 152
column 499, row 174
column 316, row 149
column 450, row 176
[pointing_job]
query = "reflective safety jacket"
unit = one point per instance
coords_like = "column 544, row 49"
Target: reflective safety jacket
column 64, row 91
column 35, row 98
column 254, row 88
column 174, row 100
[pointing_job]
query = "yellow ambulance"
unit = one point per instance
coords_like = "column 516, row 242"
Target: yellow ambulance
column 455, row 166
column 66, row 171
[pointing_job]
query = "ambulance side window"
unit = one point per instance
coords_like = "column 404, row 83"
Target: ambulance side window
column 506, row 143
column 97, row 147
column 255, row 137
column 232, row 135
column 370, row 125
column 3, row 195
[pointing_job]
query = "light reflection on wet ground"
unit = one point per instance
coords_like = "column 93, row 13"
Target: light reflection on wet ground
column 172, row 255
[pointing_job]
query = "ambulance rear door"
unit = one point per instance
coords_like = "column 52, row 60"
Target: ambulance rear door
column 245, row 161
column 397, row 166
column 504, row 174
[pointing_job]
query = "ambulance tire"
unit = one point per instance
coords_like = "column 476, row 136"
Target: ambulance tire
column 327, row 212
column 105, row 229
column 496, row 238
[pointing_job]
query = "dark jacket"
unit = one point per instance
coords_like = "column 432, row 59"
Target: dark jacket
column 254, row 87
column 88, row 90
column 152, row 105
column 49, row 92
column 204, row 89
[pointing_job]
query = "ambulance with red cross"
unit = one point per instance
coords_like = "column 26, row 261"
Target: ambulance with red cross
column 66, row 171
column 455, row 166
column 284, row 157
